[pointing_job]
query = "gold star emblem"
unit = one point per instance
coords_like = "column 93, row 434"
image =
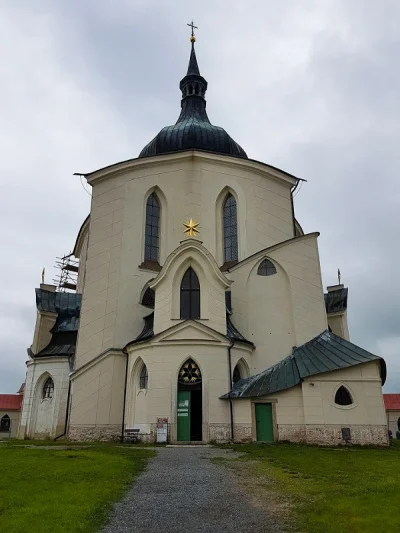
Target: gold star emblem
column 191, row 228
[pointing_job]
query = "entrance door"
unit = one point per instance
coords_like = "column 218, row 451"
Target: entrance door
column 183, row 415
column 189, row 410
column 264, row 425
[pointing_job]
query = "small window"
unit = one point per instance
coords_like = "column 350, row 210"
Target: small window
column 144, row 377
column 398, row 424
column 236, row 375
column 151, row 241
column 5, row 424
column 48, row 388
column 148, row 298
column 190, row 295
column 343, row 396
column 266, row 268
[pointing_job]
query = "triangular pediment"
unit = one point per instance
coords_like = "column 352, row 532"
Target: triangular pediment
column 191, row 331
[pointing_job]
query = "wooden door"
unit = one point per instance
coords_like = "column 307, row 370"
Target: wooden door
column 264, row 424
column 183, row 415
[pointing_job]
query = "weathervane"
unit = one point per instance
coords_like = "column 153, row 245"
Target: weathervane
column 191, row 228
column 192, row 37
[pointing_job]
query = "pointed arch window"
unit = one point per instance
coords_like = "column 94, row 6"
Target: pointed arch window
column 230, row 229
column 148, row 298
column 266, row 268
column 5, row 424
column 144, row 377
column 236, row 375
column 151, row 241
column 48, row 389
column 343, row 396
column 189, row 373
column 190, row 295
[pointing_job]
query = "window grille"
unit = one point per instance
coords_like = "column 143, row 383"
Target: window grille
column 189, row 373
column 230, row 229
column 48, row 388
column 151, row 243
column 266, row 268
column 190, row 295
column 144, row 377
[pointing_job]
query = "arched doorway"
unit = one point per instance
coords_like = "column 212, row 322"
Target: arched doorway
column 190, row 401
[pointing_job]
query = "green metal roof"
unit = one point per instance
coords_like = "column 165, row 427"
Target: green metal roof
column 325, row 353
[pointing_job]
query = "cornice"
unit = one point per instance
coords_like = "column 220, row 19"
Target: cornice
column 190, row 155
column 272, row 248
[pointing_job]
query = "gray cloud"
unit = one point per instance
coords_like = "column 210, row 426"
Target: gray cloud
column 311, row 88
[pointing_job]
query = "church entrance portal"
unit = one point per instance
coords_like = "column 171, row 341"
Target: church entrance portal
column 190, row 401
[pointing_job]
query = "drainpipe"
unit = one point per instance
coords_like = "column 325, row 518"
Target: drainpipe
column 67, row 410
column 230, row 384
column 125, row 387
column 292, row 190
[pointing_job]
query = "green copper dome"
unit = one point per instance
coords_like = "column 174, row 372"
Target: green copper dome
column 193, row 129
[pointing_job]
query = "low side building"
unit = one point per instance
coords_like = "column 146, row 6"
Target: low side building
column 392, row 407
column 10, row 414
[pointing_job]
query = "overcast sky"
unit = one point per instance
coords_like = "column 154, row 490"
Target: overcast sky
column 311, row 87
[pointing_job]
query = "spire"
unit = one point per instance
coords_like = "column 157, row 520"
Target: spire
column 193, row 68
column 193, row 85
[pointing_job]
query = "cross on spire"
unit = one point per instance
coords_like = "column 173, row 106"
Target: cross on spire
column 191, row 25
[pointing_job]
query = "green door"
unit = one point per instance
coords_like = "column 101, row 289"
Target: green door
column 264, row 426
column 183, row 415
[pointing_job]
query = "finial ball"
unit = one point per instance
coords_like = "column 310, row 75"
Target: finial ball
column 192, row 39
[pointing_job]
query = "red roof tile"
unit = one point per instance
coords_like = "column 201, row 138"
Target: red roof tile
column 10, row 402
column 392, row 402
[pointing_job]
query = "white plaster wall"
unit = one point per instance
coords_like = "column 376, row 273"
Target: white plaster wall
column 392, row 418
column 82, row 263
column 164, row 360
column 213, row 285
column 188, row 186
column 14, row 417
column 98, row 392
column 338, row 324
column 283, row 310
column 43, row 417
column 364, row 384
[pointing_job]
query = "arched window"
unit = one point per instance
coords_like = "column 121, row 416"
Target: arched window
column 230, row 229
column 151, row 242
column 343, row 396
column 266, row 268
column 5, row 424
column 236, row 375
column 148, row 298
column 144, row 377
column 190, row 295
column 48, row 388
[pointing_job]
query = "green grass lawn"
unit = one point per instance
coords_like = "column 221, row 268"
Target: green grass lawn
column 333, row 490
column 72, row 491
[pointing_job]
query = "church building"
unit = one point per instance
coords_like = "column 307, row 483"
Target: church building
column 199, row 313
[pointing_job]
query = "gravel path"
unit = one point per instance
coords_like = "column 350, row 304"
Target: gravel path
column 182, row 490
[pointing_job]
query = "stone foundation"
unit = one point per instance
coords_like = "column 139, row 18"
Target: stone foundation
column 95, row 433
column 331, row 434
column 221, row 433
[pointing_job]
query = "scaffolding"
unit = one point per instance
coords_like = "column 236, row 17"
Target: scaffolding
column 66, row 279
